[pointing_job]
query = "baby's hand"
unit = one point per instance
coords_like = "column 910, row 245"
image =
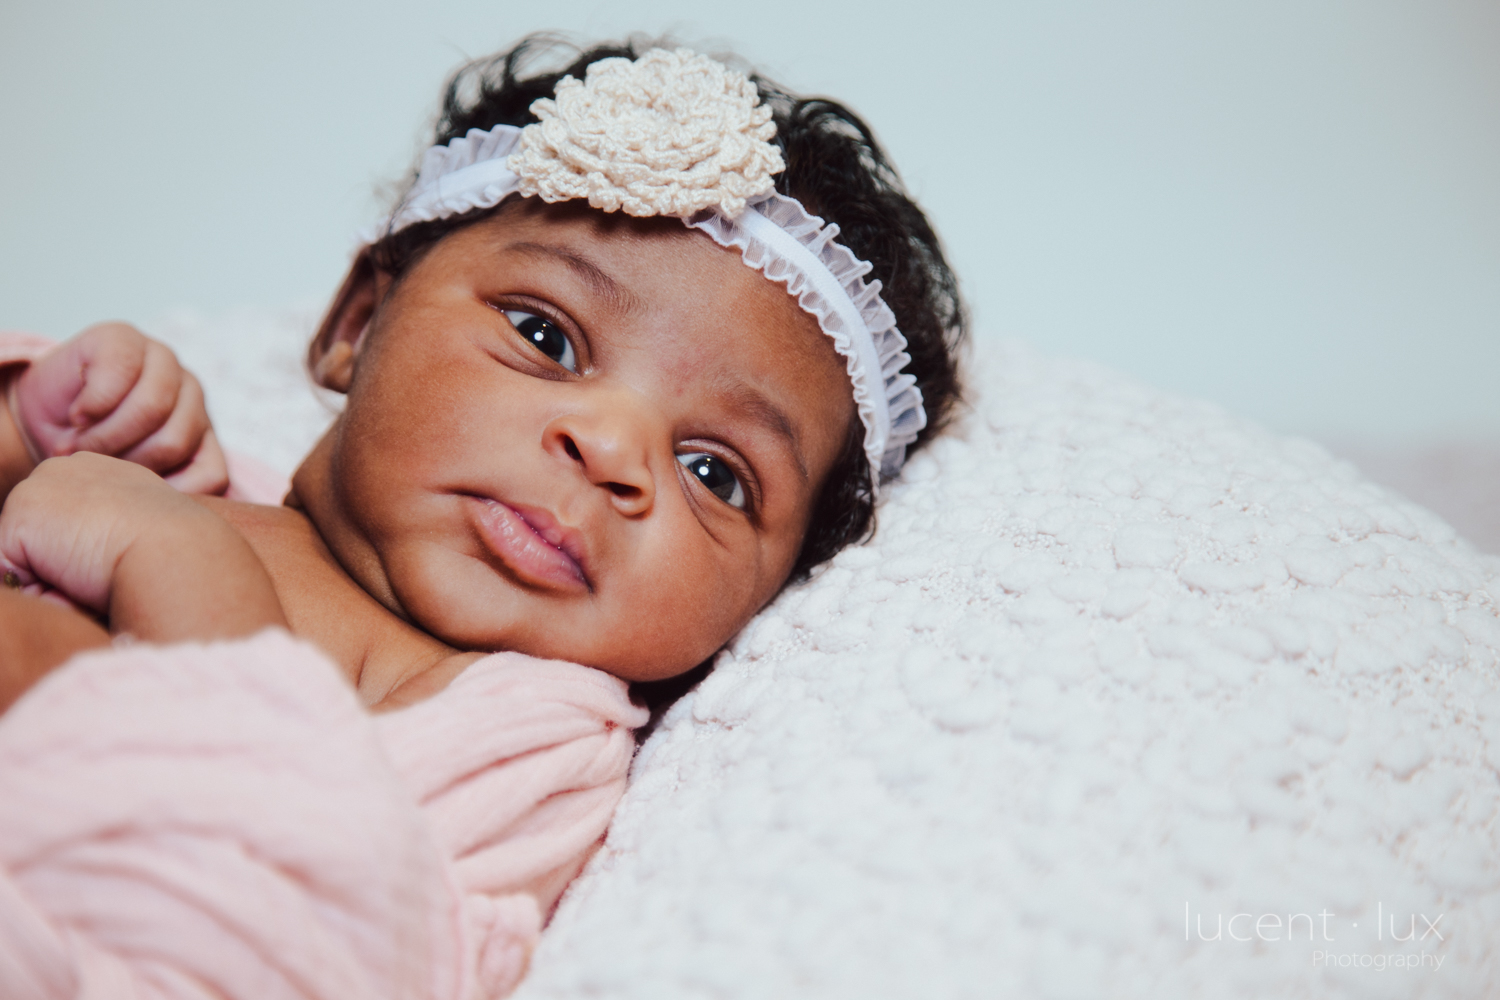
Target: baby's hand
column 72, row 520
column 114, row 391
column 115, row 539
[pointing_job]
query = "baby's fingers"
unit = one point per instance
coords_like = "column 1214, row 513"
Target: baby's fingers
column 99, row 366
column 207, row 472
column 40, row 552
column 13, row 581
column 109, row 359
column 177, row 439
column 145, row 408
column 16, row 573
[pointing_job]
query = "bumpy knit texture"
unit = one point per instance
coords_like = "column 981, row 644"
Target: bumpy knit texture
column 1115, row 662
column 670, row 133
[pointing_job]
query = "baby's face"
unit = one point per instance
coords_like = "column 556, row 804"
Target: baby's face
column 579, row 436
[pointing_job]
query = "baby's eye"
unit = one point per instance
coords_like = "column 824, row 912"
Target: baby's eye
column 716, row 476
column 545, row 336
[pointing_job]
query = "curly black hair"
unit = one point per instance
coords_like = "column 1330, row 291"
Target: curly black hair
column 834, row 167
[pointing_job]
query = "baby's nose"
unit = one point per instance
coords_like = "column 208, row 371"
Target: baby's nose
column 610, row 447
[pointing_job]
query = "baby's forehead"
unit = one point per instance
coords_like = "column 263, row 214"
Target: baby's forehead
column 660, row 269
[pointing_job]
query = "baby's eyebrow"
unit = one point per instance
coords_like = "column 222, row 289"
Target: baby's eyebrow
column 759, row 408
column 598, row 279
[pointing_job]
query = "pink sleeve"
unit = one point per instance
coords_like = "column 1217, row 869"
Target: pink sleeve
column 18, row 347
column 253, row 481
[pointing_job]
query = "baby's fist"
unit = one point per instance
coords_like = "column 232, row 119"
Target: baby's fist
column 114, row 391
column 67, row 525
column 114, row 539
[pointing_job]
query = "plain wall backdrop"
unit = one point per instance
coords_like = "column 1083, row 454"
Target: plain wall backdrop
column 1290, row 208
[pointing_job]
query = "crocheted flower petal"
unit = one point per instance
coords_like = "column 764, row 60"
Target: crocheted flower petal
column 668, row 134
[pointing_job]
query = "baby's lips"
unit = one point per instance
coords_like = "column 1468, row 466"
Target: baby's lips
column 515, row 541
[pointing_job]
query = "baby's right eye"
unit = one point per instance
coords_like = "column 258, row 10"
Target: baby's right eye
column 544, row 336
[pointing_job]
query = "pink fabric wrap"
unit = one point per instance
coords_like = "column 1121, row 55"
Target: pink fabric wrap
column 16, row 346
column 226, row 821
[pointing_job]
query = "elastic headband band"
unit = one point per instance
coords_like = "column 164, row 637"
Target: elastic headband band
column 675, row 133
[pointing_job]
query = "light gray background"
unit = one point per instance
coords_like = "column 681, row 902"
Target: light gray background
column 1291, row 208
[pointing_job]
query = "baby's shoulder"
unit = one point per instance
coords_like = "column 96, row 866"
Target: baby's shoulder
column 275, row 533
column 324, row 604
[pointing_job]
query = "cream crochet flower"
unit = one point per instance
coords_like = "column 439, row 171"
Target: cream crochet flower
column 671, row 133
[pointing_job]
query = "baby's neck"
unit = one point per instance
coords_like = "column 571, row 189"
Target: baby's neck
column 389, row 661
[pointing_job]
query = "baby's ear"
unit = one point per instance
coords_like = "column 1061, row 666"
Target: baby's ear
column 330, row 356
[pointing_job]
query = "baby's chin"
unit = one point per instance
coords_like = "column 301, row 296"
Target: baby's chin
column 612, row 659
column 632, row 663
column 622, row 641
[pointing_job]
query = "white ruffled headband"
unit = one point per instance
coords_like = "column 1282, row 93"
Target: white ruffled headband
column 675, row 133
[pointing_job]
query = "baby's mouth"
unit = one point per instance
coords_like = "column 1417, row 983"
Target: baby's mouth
column 531, row 544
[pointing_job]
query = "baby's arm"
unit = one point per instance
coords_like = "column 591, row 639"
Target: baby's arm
column 114, row 391
column 35, row 637
column 116, row 540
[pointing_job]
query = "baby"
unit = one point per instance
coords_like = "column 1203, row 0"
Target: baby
column 612, row 380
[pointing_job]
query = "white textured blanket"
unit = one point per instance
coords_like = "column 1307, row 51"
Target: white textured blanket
column 1116, row 667
column 1126, row 698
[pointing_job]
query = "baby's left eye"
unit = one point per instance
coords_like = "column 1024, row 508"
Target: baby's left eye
column 544, row 336
column 716, row 476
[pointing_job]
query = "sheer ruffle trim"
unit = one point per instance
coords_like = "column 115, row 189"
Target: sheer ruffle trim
column 469, row 173
column 889, row 402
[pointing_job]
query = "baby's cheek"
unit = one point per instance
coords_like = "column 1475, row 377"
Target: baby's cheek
column 667, row 629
